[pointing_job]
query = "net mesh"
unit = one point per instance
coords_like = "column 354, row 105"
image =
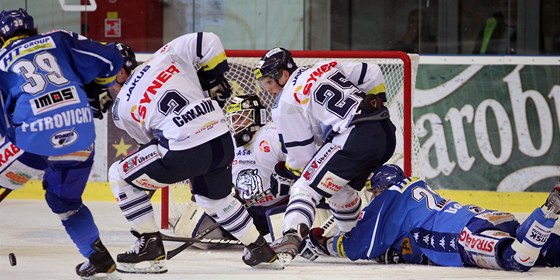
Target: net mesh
column 242, row 80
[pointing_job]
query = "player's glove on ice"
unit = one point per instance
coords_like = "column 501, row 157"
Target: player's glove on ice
column 315, row 245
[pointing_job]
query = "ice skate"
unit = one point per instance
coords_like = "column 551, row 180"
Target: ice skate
column 146, row 256
column 287, row 246
column 99, row 266
column 551, row 207
column 260, row 255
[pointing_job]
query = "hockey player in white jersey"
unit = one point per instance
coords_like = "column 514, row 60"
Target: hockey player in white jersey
column 257, row 152
column 171, row 106
column 339, row 107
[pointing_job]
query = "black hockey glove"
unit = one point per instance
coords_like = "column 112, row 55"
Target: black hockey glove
column 314, row 245
column 391, row 256
column 99, row 99
column 221, row 92
column 281, row 179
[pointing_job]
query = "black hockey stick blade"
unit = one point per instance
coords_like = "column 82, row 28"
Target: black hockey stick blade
column 5, row 193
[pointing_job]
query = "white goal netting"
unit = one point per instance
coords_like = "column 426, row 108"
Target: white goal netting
column 399, row 70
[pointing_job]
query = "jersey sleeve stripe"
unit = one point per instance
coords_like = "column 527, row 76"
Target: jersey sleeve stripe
column 363, row 73
column 299, row 143
column 377, row 89
column 111, row 66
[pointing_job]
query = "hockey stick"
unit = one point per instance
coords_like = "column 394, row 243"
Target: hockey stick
column 188, row 241
column 5, row 193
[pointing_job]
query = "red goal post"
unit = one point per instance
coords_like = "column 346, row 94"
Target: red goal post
column 399, row 69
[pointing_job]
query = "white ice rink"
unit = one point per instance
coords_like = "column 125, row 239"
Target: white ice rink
column 44, row 251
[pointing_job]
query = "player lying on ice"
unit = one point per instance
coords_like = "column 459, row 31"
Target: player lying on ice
column 408, row 222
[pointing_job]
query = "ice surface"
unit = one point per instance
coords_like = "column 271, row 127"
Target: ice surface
column 44, row 251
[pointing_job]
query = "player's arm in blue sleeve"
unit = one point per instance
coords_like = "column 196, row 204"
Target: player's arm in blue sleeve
column 364, row 241
column 97, row 62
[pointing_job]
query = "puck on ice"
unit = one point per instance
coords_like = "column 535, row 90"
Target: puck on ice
column 12, row 258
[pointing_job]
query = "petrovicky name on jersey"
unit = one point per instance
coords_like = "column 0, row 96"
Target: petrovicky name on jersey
column 63, row 119
column 28, row 48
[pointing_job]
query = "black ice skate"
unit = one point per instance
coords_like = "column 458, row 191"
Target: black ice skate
column 146, row 256
column 551, row 207
column 100, row 265
column 260, row 255
column 287, row 246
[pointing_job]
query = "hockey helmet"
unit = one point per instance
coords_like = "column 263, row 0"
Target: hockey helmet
column 245, row 114
column 15, row 20
column 385, row 176
column 128, row 56
column 273, row 62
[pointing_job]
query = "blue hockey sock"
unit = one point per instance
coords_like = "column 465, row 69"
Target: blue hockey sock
column 82, row 230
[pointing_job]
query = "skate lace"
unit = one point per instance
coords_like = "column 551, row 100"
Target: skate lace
column 135, row 249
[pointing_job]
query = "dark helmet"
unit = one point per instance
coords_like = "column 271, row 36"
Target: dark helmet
column 15, row 20
column 273, row 62
column 245, row 114
column 385, row 176
column 128, row 56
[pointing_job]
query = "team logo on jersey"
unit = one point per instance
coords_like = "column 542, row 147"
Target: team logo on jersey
column 264, row 146
column 406, row 248
column 64, row 138
column 249, row 183
column 53, row 100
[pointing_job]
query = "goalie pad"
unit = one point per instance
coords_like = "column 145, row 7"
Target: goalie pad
column 193, row 221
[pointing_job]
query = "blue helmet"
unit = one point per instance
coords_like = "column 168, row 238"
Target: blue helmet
column 15, row 20
column 273, row 62
column 385, row 176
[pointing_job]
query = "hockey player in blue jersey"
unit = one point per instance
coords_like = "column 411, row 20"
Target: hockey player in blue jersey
column 53, row 85
column 409, row 222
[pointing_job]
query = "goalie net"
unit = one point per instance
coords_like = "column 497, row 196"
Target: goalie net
column 399, row 70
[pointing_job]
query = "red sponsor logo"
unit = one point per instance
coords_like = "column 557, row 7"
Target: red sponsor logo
column 317, row 73
column 7, row 154
column 18, row 178
column 329, row 184
column 264, row 146
column 476, row 242
column 138, row 112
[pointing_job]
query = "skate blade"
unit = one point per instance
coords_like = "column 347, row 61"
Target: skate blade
column 104, row 276
column 274, row 265
column 145, row 267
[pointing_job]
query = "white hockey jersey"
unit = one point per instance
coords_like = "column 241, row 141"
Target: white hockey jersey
column 318, row 100
column 163, row 97
column 254, row 163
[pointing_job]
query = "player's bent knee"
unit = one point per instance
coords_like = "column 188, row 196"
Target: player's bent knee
column 62, row 206
column 485, row 249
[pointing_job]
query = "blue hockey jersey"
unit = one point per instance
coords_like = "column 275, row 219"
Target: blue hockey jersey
column 414, row 220
column 45, row 109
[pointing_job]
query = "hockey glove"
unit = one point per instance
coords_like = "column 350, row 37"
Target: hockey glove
column 99, row 99
column 221, row 92
column 281, row 179
column 314, row 245
column 391, row 256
